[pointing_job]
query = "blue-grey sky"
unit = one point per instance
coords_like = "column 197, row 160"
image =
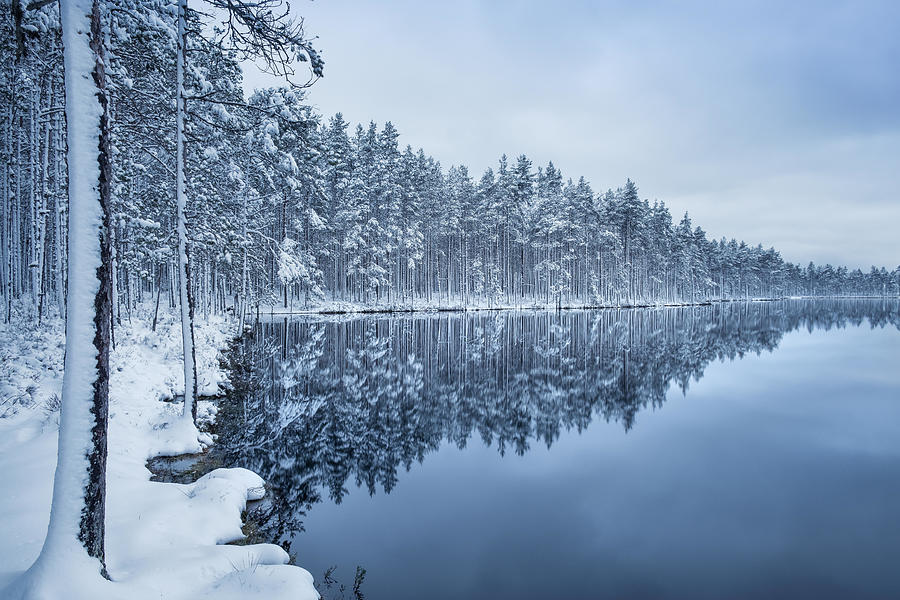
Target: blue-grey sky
column 773, row 122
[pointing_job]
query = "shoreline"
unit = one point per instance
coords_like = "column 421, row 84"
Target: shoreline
column 181, row 529
column 350, row 309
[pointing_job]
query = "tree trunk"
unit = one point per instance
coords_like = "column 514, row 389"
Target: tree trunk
column 79, row 490
column 184, row 271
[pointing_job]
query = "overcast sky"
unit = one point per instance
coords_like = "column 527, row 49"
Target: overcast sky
column 773, row 122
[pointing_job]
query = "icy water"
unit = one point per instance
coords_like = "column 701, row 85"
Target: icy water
column 729, row 451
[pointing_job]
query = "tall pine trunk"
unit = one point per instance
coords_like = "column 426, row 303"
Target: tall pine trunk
column 184, row 270
column 75, row 536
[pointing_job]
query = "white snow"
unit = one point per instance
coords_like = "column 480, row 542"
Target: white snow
column 454, row 303
column 163, row 540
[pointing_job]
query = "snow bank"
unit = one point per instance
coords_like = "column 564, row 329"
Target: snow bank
column 163, row 540
column 459, row 304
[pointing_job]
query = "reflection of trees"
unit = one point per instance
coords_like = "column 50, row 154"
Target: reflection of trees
column 318, row 402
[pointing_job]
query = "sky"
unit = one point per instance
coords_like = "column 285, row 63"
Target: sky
column 773, row 122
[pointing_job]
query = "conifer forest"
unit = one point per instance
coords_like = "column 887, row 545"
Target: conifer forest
column 289, row 208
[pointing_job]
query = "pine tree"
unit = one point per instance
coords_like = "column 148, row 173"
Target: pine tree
column 77, row 513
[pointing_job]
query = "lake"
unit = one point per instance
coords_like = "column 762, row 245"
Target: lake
column 738, row 450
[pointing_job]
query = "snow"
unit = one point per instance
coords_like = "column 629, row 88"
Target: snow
column 459, row 304
column 290, row 266
column 163, row 540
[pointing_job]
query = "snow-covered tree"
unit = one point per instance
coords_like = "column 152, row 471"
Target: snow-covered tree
column 76, row 531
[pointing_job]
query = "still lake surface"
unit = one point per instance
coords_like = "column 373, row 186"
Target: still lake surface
column 738, row 450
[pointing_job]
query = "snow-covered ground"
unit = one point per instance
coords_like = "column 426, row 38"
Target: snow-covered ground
column 455, row 304
column 163, row 540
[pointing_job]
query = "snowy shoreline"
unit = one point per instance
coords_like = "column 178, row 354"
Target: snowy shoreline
column 350, row 308
column 164, row 540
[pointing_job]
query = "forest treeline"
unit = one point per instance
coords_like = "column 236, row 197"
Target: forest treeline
column 287, row 207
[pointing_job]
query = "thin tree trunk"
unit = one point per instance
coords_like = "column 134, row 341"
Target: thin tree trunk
column 158, row 292
column 184, row 272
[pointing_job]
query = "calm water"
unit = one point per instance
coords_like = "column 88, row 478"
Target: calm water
column 731, row 451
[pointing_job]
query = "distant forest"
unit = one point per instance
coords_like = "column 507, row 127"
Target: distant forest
column 284, row 207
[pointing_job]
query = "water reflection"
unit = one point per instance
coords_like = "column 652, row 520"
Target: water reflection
column 319, row 403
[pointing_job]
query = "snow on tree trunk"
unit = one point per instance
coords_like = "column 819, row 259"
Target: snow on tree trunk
column 187, row 305
column 75, row 536
column 42, row 222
